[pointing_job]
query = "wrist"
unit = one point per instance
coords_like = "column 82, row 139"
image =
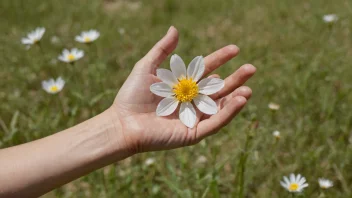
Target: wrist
column 121, row 146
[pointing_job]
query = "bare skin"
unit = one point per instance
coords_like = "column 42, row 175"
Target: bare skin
column 128, row 127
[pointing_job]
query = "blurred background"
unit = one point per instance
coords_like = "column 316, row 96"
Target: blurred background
column 303, row 65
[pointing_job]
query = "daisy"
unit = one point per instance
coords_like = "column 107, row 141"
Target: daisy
column 34, row 36
column 276, row 134
column 330, row 18
column 51, row 86
column 71, row 56
column 325, row 183
column 274, row 106
column 181, row 86
column 149, row 161
column 87, row 36
column 295, row 183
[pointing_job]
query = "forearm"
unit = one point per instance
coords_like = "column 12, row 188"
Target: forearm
column 32, row 169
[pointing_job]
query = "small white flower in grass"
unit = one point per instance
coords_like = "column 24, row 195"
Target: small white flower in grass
column 201, row 159
column 149, row 161
column 295, row 183
column 179, row 86
column 274, row 106
column 276, row 134
column 325, row 183
column 55, row 40
column 121, row 31
column 33, row 37
column 87, row 36
column 330, row 18
column 71, row 56
column 53, row 86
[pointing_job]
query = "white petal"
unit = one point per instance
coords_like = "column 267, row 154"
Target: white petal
column 161, row 89
column 283, row 184
column 305, row 185
column 292, row 178
column 301, row 181
column 205, row 104
column 166, row 76
column 79, row 54
column 286, row 180
column 63, row 59
column 65, row 52
column 166, row 106
column 196, row 68
column 301, row 187
column 79, row 39
column 60, row 83
column 45, row 85
column 187, row 114
column 210, row 86
column 178, row 67
column 26, row 41
column 298, row 178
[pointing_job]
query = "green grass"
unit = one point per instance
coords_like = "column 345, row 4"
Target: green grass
column 303, row 64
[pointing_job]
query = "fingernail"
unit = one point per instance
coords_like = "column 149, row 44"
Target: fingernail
column 169, row 29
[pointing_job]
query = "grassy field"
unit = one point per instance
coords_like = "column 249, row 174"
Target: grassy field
column 303, row 64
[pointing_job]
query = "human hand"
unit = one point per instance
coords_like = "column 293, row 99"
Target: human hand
column 134, row 107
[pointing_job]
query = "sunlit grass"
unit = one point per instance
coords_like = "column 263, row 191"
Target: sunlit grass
column 304, row 65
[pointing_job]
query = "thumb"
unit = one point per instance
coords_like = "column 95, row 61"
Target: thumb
column 150, row 62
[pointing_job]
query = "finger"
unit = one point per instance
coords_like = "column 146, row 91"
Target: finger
column 236, row 80
column 222, row 118
column 159, row 52
column 214, row 76
column 219, row 57
column 243, row 91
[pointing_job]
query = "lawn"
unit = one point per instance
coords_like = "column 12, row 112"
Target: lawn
column 303, row 64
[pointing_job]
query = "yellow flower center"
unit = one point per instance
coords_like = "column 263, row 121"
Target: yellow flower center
column 71, row 57
column 186, row 90
column 87, row 39
column 54, row 88
column 293, row 187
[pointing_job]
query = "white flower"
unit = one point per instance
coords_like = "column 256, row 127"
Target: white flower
column 34, row 36
column 55, row 40
column 295, row 183
column 330, row 18
column 121, row 31
column 87, row 36
column 51, row 86
column 325, row 183
column 276, row 134
column 180, row 86
column 201, row 159
column 71, row 56
column 149, row 161
column 274, row 106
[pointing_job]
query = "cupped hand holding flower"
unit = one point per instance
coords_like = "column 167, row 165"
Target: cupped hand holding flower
column 149, row 122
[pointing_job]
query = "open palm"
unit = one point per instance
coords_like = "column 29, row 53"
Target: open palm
column 135, row 105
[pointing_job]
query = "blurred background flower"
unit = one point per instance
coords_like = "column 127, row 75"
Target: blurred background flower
column 53, row 86
column 70, row 56
column 34, row 37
